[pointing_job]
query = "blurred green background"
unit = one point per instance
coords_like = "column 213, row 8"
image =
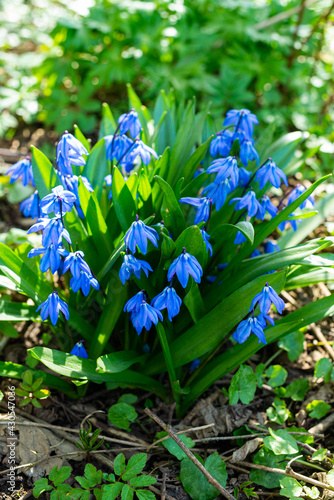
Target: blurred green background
column 60, row 60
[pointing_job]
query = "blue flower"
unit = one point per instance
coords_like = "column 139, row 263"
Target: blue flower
column 79, row 350
column 255, row 253
column 293, row 223
column 203, row 208
column 52, row 307
column 117, row 146
column 168, row 299
column 140, row 149
column 138, row 234
column 250, row 202
column 30, row 206
column 198, row 171
column 51, row 258
column 69, row 152
column 248, row 152
column 194, row 364
column 134, row 303
column 248, row 326
column 131, row 265
column 53, row 231
column 75, row 262
column 270, row 247
column 23, row 169
column 84, row 283
column 129, row 122
column 240, row 238
column 60, row 200
column 71, row 183
column 108, row 181
column 298, row 191
column 184, row 266
column 267, row 297
column 221, row 145
column 268, row 206
column 218, row 192
column 144, row 316
column 269, row 172
column 225, row 168
column 244, row 177
column 206, row 238
column 242, row 120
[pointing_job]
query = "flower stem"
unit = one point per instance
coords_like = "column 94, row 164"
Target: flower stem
column 169, row 361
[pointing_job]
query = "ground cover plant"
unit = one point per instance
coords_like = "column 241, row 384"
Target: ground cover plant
column 149, row 240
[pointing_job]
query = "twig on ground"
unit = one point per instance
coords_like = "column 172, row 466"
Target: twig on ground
column 157, row 492
column 181, row 432
column 321, row 337
column 322, row 426
column 163, row 486
column 190, row 455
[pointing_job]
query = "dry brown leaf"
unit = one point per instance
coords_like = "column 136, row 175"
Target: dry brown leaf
column 245, row 450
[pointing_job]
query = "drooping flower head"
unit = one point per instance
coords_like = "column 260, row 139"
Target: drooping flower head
column 69, row 152
column 239, row 238
column 298, row 191
column 140, row 149
column 244, row 177
column 270, row 247
column 71, row 183
column 130, row 122
column 248, row 152
column 30, row 207
column 226, row 168
column 248, row 326
column 218, row 192
column 22, row 169
column 251, row 203
column 269, row 172
column 52, row 307
column 83, row 283
column 53, row 231
column 292, row 222
column 168, row 299
column 268, row 206
column 203, row 206
column 51, row 257
column 267, row 297
column 184, row 266
column 243, row 120
column 76, row 263
column 221, row 145
column 143, row 315
column 79, row 350
column 59, row 201
column 131, row 265
column 206, row 238
column 138, row 234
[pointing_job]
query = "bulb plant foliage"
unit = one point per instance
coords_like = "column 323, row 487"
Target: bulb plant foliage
column 164, row 247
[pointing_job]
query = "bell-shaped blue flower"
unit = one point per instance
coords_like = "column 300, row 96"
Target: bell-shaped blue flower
column 218, row 192
column 248, row 152
column 269, row 172
column 268, row 206
column 255, row 253
column 251, row 203
column 270, row 247
column 84, row 283
column 203, row 206
column 79, row 350
column 22, row 169
column 240, row 238
column 145, row 316
column 138, row 234
column 140, row 149
column 184, row 266
column 76, row 263
column 244, row 177
column 117, row 146
column 298, row 191
column 221, row 145
column 206, row 238
column 131, row 265
column 292, row 222
column 59, row 201
column 243, row 120
column 51, row 257
column 267, row 297
column 71, row 183
column 248, row 326
column 69, row 152
column 52, row 307
column 30, row 207
column 168, row 299
column 134, row 303
column 53, row 231
column 225, row 168
column 130, row 122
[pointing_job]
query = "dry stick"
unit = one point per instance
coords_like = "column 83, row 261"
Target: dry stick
column 163, row 486
column 181, row 432
column 287, row 472
column 190, row 455
column 249, row 436
column 320, row 336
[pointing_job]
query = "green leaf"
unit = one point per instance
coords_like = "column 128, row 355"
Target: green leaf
column 96, row 167
column 173, row 447
column 108, row 122
column 28, row 378
column 277, row 375
column 330, row 477
column 145, row 495
column 116, row 362
column 127, row 492
column 170, row 211
column 323, row 368
column 119, row 464
column 278, row 412
column 79, row 135
column 297, row 389
column 135, row 465
column 111, row 491
column 320, row 455
column 93, row 475
column 40, row 486
column 44, row 174
column 58, row 476
column 8, row 329
column 290, row 487
column 192, row 240
column 16, row 311
column 123, row 200
column 312, row 493
column 243, row 386
column 140, row 481
column 84, row 483
column 121, row 414
column 129, row 399
column 196, row 484
column 195, row 159
column 264, row 478
column 318, row 409
column 280, row 442
column 293, row 344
